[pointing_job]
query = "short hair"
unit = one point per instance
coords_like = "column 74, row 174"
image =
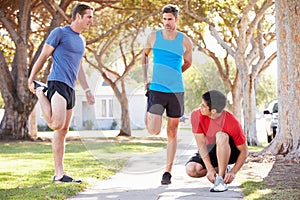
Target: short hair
column 215, row 100
column 171, row 8
column 81, row 8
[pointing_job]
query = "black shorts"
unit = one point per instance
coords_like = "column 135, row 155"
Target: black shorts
column 172, row 102
column 213, row 155
column 62, row 89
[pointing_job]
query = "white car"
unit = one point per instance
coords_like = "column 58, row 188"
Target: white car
column 1, row 113
column 271, row 118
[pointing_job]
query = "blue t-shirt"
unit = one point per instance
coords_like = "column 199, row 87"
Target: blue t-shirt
column 69, row 49
column 167, row 64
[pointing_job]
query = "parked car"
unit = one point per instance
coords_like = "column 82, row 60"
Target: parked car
column 183, row 118
column 1, row 113
column 271, row 118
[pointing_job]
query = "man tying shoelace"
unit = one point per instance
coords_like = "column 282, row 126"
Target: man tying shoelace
column 220, row 141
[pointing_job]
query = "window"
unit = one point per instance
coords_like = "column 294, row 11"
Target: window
column 104, row 108
column 110, row 114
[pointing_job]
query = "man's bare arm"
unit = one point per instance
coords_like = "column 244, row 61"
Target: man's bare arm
column 238, row 164
column 82, row 80
column 145, row 56
column 202, row 148
column 187, row 56
column 38, row 65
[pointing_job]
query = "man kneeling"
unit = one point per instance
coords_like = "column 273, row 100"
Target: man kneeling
column 220, row 141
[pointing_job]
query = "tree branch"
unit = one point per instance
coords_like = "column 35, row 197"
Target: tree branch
column 212, row 29
column 9, row 25
column 114, row 28
column 258, row 17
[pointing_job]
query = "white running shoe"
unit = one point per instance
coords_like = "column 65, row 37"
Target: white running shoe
column 219, row 185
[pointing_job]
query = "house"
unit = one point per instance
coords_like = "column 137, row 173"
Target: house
column 106, row 112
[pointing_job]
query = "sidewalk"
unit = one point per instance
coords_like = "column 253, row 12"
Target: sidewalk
column 140, row 179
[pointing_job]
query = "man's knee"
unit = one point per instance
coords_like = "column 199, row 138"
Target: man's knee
column 189, row 168
column 153, row 131
column 153, row 126
column 153, row 123
column 57, row 125
column 222, row 138
column 192, row 169
column 63, row 132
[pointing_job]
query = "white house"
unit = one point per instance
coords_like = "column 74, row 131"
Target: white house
column 106, row 112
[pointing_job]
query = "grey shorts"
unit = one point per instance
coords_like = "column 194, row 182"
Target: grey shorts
column 62, row 89
column 173, row 103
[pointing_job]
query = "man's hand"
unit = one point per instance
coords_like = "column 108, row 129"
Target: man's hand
column 146, row 86
column 211, row 175
column 90, row 97
column 229, row 177
column 31, row 86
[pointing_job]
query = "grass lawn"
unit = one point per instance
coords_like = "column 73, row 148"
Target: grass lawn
column 26, row 169
column 257, row 148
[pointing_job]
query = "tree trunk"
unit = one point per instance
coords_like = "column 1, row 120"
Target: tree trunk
column 287, row 140
column 237, row 100
column 125, row 124
column 125, row 118
column 18, row 101
column 249, row 102
column 14, row 124
column 250, row 112
column 33, row 124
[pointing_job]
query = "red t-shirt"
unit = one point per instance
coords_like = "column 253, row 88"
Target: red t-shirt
column 227, row 123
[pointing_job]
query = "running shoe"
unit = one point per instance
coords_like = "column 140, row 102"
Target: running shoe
column 66, row 179
column 166, row 178
column 40, row 84
column 219, row 185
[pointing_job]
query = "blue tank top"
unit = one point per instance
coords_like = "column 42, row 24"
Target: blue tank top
column 167, row 64
column 69, row 49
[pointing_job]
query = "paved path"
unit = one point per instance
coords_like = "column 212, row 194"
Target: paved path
column 140, row 179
